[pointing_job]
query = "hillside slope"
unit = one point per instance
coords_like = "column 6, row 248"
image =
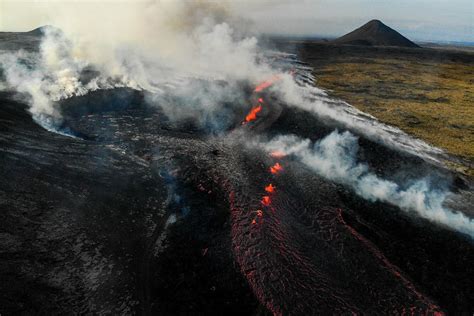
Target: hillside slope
column 375, row 33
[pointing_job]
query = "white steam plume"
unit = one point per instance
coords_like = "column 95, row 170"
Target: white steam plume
column 306, row 96
column 159, row 45
column 50, row 75
column 334, row 157
column 148, row 45
column 155, row 45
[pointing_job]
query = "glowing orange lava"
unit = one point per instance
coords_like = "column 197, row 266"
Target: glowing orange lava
column 267, row 83
column 266, row 200
column 253, row 113
column 276, row 168
column 270, row 188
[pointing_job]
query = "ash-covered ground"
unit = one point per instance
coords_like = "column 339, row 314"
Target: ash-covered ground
column 126, row 207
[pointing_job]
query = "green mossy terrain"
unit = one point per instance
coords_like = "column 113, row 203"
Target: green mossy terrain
column 426, row 93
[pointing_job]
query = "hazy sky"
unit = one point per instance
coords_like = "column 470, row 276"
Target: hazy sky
column 417, row 19
column 451, row 20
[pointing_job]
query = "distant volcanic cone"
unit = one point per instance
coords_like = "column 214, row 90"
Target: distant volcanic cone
column 375, row 33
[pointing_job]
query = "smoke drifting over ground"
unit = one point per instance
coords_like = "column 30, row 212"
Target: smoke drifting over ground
column 334, row 157
column 190, row 57
column 147, row 46
column 308, row 97
column 165, row 46
column 50, row 75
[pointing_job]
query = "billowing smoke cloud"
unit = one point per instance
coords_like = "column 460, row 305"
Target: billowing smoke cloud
column 212, row 105
column 160, row 45
column 150, row 46
column 334, row 157
column 50, row 75
column 308, row 97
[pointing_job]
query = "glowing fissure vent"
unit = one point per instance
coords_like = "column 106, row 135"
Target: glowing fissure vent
column 266, row 200
column 276, row 168
column 270, row 189
column 252, row 116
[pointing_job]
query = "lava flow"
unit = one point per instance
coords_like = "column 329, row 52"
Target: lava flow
column 262, row 231
column 266, row 200
column 270, row 188
column 276, row 168
column 252, row 116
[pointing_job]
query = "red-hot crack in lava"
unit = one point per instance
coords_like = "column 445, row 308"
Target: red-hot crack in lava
column 276, row 168
column 248, row 230
column 269, row 189
column 433, row 309
column 252, row 116
column 266, row 201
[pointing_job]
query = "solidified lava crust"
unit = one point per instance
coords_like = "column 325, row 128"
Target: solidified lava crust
column 340, row 273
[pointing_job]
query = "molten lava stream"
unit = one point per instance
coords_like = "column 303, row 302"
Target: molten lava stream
column 260, row 87
column 433, row 309
column 266, row 201
column 270, row 188
column 276, row 168
column 256, row 271
column 252, row 116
